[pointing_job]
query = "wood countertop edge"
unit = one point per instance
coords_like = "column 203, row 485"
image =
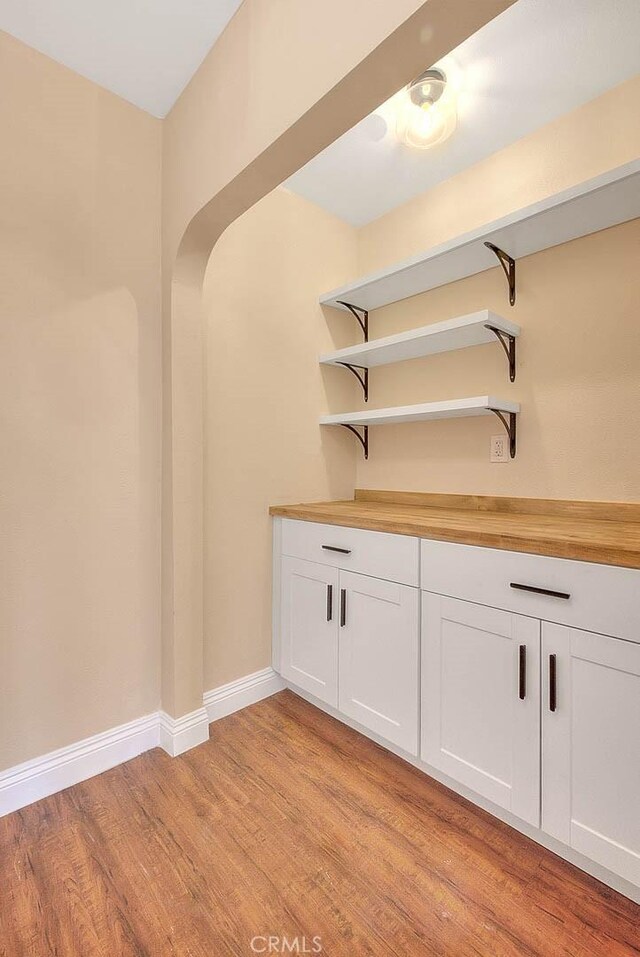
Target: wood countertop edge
column 548, row 545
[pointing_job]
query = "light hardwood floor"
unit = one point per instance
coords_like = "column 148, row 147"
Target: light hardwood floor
column 287, row 823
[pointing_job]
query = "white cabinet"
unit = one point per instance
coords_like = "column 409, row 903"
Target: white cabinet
column 378, row 657
column 481, row 701
column 493, row 682
column 591, row 746
column 309, row 633
column 350, row 638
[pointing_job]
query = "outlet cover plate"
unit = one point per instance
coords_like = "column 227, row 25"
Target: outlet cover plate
column 499, row 448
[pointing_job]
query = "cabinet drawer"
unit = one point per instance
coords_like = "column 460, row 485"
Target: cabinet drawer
column 601, row 598
column 392, row 557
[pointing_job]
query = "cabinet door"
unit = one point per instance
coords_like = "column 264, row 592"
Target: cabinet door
column 591, row 746
column 481, row 701
column 309, row 631
column 379, row 657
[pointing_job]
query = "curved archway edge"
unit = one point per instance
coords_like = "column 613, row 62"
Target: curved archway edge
column 436, row 27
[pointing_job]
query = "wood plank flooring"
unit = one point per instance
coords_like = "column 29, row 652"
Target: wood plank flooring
column 288, row 824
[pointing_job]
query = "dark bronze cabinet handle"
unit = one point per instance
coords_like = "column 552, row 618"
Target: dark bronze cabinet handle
column 329, row 602
column 540, row 591
column 343, row 607
column 553, row 683
column 522, row 672
column 334, row 548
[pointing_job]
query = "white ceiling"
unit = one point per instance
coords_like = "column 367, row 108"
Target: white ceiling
column 533, row 63
column 144, row 50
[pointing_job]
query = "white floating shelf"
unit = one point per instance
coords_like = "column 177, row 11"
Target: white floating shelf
column 426, row 411
column 458, row 333
column 605, row 200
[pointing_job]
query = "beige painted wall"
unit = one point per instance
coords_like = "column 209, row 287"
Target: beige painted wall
column 80, row 344
column 577, row 380
column 579, row 353
column 79, row 231
column 284, row 80
column 264, row 392
column 80, row 193
column 80, row 401
column 79, row 236
column 577, row 367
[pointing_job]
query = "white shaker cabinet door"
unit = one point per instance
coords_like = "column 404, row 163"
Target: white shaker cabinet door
column 309, row 633
column 591, row 746
column 481, row 701
column 379, row 657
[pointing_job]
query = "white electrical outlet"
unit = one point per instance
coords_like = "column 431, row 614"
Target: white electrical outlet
column 499, row 448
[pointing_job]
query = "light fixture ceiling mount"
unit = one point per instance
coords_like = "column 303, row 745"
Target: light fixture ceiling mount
column 427, row 88
column 428, row 114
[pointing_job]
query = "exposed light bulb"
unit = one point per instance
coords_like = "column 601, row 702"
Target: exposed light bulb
column 428, row 114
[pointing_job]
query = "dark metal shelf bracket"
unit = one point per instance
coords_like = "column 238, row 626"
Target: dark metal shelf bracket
column 509, row 266
column 508, row 343
column 362, row 439
column 510, row 428
column 361, row 315
column 362, row 375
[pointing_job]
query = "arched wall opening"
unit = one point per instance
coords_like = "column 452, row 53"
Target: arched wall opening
column 434, row 29
column 264, row 388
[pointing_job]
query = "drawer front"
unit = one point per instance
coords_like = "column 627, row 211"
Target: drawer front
column 391, row 557
column 601, row 598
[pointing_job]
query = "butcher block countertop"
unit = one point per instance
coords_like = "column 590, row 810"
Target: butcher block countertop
column 603, row 532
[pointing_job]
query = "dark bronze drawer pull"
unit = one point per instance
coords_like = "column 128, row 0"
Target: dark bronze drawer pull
column 553, row 683
column 334, row 548
column 540, row 591
column 329, row 602
column 522, row 672
column 343, row 607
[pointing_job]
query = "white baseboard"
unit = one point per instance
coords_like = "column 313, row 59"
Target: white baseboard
column 240, row 693
column 41, row 777
column 53, row 772
column 178, row 735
